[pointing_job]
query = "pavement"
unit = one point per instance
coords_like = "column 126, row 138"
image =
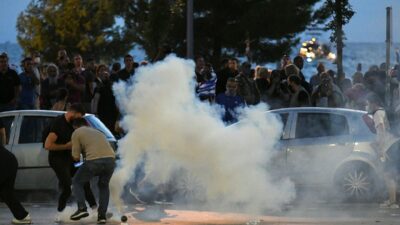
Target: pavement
column 43, row 213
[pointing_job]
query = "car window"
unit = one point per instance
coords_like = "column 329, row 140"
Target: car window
column 32, row 128
column 8, row 121
column 311, row 125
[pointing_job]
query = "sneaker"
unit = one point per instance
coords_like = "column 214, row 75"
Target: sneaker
column 101, row 220
column 388, row 205
column 58, row 218
column 26, row 220
column 79, row 214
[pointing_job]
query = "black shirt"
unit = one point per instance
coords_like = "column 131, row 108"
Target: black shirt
column 8, row 81
column 63, row 129
column 125, row 75
column 1, row 124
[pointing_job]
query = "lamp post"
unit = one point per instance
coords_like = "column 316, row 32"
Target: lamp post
column 189, row 30
column 388, row 45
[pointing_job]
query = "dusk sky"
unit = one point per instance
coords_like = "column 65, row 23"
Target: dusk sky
column 367, row 25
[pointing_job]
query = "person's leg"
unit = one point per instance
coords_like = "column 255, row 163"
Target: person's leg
column 104, row 191
column 89, row 196
column 62, row 170
column 8, row 196
column 80, row 180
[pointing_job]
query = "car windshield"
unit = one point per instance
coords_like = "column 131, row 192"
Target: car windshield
column 97, row 124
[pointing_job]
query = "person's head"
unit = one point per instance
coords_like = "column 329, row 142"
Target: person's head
column 78, row 61
column 91, row 64
column 263, row 73
column 200, row 62
column 374, row 102
column 285, row 61
column 275, row 76
column 233, row 64
column 116, row 67
column 62, row 94
column 331, row 73
column 79, row 122
column 358, row 78
column 3, row 62
column 245, row 69
column 299, row 62
column 52, row 71
column 294, row 82
column 382, row 67
column 62, row 53
column 231, row 87
column 27, row 64
column 224, row 63
column 320, row 68
column 291, row 69
column 102, row 72
column 128, row 61
column 74, row 112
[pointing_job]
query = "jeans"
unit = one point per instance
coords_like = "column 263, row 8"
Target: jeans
column 103, row 168
column 64, row 169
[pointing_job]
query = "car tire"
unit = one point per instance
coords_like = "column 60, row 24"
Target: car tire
column 356, row 182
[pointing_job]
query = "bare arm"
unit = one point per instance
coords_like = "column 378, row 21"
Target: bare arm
column 51, row 145
column 2, row 136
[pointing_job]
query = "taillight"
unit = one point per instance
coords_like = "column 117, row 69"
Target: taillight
column 369, row 122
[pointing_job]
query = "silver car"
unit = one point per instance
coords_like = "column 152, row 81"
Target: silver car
column 24, row 138
column 329, row 147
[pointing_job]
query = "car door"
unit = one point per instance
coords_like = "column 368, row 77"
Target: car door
column 278, row 162
column 34, row 171
column 319, row 141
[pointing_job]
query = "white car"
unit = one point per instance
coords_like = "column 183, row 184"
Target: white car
column 24, row 138
column 330, row 147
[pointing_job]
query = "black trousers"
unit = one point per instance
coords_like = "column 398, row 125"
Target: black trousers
column 7, row 180
column 65, row 170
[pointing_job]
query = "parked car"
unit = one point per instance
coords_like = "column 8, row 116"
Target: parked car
column 24, row 139
column 330, row 147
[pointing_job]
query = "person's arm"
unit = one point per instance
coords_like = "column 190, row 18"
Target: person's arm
column 50, row 143
column 76, row 147
column 2, row 136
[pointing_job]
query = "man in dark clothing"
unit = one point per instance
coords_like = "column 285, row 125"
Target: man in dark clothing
column 229, row 70
column 8, row 173
column 299, row 96
column 299, row 62
column 58, row 143
column 29, row 83
column 10, row 85
column 129, row 69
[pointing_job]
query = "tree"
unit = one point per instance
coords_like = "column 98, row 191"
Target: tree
column 221, row 27
column 340, row 12
column 84, row 27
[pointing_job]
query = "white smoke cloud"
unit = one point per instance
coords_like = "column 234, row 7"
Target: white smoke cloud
column 166, row 122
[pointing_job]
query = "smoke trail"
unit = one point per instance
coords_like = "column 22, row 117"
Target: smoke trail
column 166, row 122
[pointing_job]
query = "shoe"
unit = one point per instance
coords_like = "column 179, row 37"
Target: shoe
column 79, row 214
column 26, row 220
column 388, row 205
column 101, row 220
column 58, row 218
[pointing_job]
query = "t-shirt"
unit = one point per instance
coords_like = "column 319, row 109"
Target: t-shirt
column 91, row 143
column 1, row 124
column 8, row 81
column 386, row 139
column 63, row 129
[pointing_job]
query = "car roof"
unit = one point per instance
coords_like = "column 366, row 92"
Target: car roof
column 36, row 112
column 316, row 109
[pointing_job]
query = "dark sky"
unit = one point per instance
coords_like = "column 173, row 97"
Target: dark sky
column 367, row 25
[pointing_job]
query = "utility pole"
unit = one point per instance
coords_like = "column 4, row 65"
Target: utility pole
column 388, row 46
column 189, row 30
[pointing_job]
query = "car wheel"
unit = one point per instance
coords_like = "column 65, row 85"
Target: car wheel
column 356, row 182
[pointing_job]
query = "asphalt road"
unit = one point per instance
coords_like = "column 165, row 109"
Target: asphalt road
column 298, row 213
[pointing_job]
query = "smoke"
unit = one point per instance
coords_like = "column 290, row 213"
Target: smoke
column 184, row 140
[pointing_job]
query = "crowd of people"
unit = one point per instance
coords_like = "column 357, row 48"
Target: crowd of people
column 78, row 86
